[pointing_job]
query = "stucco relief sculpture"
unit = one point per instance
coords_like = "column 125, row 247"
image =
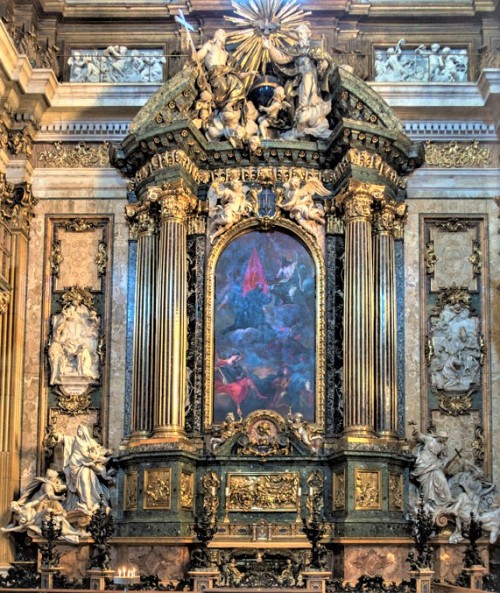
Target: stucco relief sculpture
column 73, row 348
column 300, row 102
column 43, row 497
column 299, row 203
column 236, row 202
column 435, row 64
column 456, row 351
column 452, row 496
column 116, row 63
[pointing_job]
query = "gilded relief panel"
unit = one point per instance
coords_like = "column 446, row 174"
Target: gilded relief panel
column 187, row 490
column 395, row 492
column 157, row 489
column 368, row 490
column 130, row 500
column 263, row 492
column 339, row 491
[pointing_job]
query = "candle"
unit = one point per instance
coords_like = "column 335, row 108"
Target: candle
column 227, row 491
column 299, row 491
column 311, row 491
column 213, row 490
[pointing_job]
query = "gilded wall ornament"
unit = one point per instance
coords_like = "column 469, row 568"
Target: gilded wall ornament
column 264, row 435
column 263, row 492
column 395, row 492
column 339, row 491
column 389, row 217
column 157, row 489
column 454, row 296
column 171, row 159
column 81, row 155
column 455, row 404
column 130, row 499
column 457, row 155
column 17, row 204
column 56, row 259
column 101, row 258
column 20, row 142
column 454, row 225
column 80, row 225
column 314, row 501
column 211, row 485
column 367, row 490
column 186, row 495
column 4, row 301
column 430, row 258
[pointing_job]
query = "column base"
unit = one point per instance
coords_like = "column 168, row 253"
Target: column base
column 358, row 434
column 423, row 579
column 168, row 433
column 316, row 579
column 98, row 578
column 203, row 579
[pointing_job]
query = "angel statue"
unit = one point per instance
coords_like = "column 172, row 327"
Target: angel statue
column 298, row 201
column 233, row 207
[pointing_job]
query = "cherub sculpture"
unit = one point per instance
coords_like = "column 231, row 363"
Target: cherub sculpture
column 233, row 207
column 298, row 201
column 271, row 117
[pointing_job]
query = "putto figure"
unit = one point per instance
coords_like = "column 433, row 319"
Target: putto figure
column 233, row 207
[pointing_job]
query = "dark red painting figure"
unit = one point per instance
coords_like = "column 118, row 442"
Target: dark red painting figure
column 265, row 314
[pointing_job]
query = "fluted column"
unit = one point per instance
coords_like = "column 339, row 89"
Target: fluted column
column 17, row 205
column 176, row 202
column 144, row 226
column 358, row 373
column 385, row 221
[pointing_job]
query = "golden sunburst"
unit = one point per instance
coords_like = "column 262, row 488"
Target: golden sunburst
column 273, row 19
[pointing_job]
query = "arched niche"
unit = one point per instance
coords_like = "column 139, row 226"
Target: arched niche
column 265, row 323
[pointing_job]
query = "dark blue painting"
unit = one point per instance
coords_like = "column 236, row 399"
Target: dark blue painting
column 265, row 315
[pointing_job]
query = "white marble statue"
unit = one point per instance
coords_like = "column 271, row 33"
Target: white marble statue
column 41, row 500
column 84, row 464
column 73, row 343
column 308, row 433
column 298, row 202
column 233, row 207
column 84, row 67
column 271, row 117
column 429, row 469
column 310, row 69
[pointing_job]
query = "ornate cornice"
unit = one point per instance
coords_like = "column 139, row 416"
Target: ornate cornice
column 168, row 160
column 367, row 160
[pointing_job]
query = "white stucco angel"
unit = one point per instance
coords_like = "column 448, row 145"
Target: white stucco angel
column 234, row 205
column 298, row 202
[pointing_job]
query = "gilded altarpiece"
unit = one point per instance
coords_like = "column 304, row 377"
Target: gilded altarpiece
column 454, row 273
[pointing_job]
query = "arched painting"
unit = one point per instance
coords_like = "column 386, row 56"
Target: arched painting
column 264, row 326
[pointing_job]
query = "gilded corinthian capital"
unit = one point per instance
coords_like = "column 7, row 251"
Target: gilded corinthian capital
column 356, row 200
column 389, row 217
column 142, row 218
column 176, row 201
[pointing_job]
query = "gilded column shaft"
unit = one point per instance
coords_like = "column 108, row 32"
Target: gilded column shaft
column 358, row 328
column 144, row 328
column 386, row 392
column 171, row 314
column 358, row 372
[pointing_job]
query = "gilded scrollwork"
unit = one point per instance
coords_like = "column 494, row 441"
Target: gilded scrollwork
column 71, row 156
column 476, row 258
column 157, row 489
column 357, row 199
column 430, row 258
column 454, row 296
column 314, row 502
column 211, row 486
column 130, row 499
column 478, row 445
column 80, row 225
column 339, row 494
column 389, row 217
column 263, row 492
column 20, row 142
column 186, row 495
column 176, row 201
column 17, row 204
column 142, row 217
column 395, row 492
column 101, row 258
column 367, row 491
column 56, row 259
column 457, row 155
column 454, row 225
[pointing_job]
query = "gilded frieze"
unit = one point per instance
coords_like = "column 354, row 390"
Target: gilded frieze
column 157, row 489
column 171, row 159
column 130, row 500
column 186, row 490
column 395, row 492
column 263, row 492
column 367, row 490
column 71, row 156
column 339, row 495
column 456, row 155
